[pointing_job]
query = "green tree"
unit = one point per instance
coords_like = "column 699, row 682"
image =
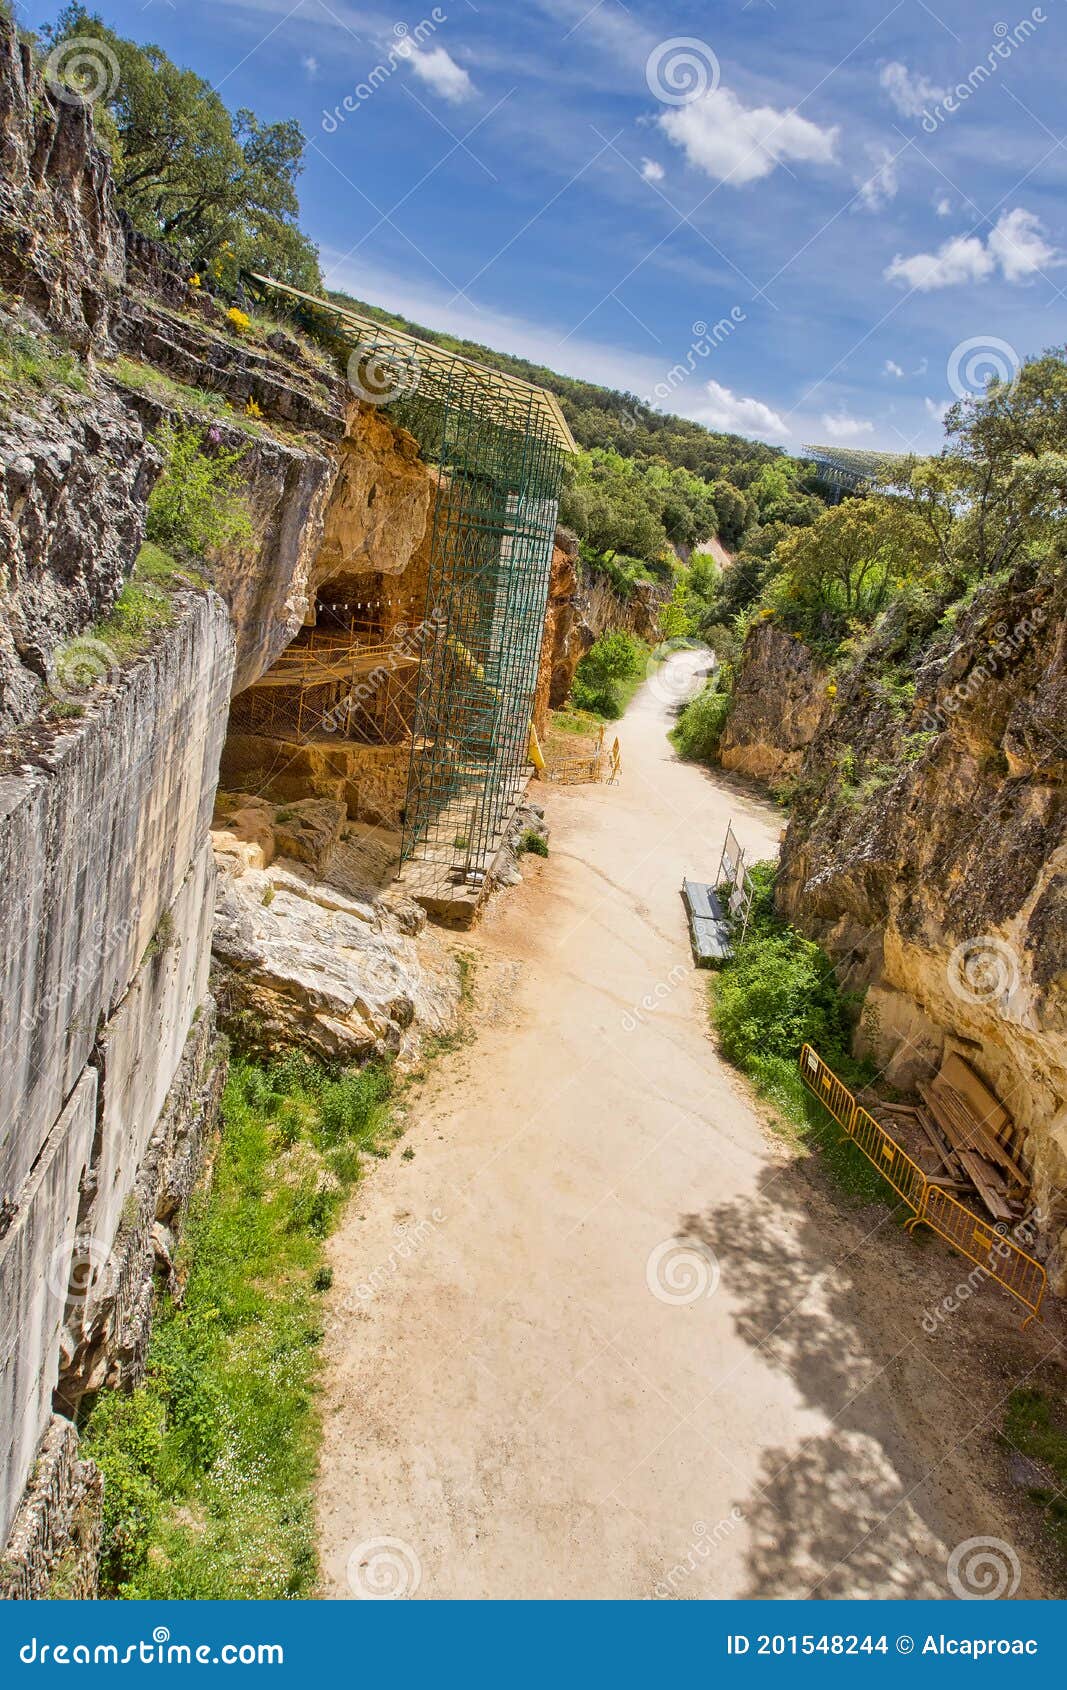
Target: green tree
column 190, row 173
column 732, row 511
column 854, row 555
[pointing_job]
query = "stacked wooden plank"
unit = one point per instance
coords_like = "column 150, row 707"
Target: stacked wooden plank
column 963, row 1139
column 978, row 1134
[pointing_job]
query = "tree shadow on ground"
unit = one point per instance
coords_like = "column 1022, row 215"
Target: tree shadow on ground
column 872, row 1504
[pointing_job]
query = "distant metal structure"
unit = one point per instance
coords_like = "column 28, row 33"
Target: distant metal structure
column 500, row 444
column 846, row 469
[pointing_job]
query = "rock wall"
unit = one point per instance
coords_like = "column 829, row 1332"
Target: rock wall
column 61, row 245
column 113, row 1065
column 105, row 896
column 927, row 845
column 779, row 701
column 567, row 635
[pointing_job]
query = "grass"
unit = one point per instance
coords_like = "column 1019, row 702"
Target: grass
column 208, row 1465
column 29, row 364
column 1036, row 1425
column 777, row 993
column 179, row 396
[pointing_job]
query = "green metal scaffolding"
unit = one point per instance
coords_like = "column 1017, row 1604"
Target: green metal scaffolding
column 499, row 444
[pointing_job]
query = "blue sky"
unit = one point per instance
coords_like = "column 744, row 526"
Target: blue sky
column 868, row 196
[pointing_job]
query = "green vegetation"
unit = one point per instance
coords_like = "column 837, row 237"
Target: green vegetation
column 219, row 188
column 777, row 993
column 30, row 364
column 609, row 675
column 696, row 734
column 533, row 843
column 208, row 1465
column 196, row 505
column 1035, row 1424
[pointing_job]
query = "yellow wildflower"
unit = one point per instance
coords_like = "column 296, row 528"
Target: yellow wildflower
column 238, row 319
column 252, row 409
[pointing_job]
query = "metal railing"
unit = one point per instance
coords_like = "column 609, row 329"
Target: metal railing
column 981, row 1242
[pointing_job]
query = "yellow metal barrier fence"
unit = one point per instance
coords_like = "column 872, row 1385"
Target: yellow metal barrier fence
column 980, row 1242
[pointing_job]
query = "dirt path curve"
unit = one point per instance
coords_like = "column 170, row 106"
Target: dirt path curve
column 599, row 1337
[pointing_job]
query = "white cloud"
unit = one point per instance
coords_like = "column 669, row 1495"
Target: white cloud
column 651, row 171
column 893, row 369
column 935, row 410
column 438, row 69
column 910, row 91
column 728, row 411
column 1016, row 244
column 310, row 64
column 877, row 189
column 962, row 259
column 944, row 207
column 739, row 144
column 844, row 427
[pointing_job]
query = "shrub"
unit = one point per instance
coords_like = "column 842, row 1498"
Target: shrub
column 196, row 505
column 534, row 843
column 600, row 681
column 699, row 727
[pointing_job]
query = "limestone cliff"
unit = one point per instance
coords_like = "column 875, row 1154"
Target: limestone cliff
column 927, row 843
column 113, row 1067
column 778, row 703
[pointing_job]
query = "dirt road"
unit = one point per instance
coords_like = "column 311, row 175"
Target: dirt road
column 602, row 1336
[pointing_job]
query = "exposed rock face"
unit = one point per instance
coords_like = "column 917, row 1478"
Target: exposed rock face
column 74, row 477
column 61, row 246
column 567, row 635
column 779, row 701
column 380, row 504
column 58, row 1528
column 927, row 852
column 315, row 949
column 105, row 893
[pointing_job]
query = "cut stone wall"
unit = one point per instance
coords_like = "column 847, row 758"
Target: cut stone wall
column 106, row 893
column 34, row 1269
column 99, row 821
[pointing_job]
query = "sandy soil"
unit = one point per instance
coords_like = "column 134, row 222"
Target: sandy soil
column 603, row 1335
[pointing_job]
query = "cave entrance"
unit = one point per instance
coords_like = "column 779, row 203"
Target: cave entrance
column 455, row 703
column 334, row 716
